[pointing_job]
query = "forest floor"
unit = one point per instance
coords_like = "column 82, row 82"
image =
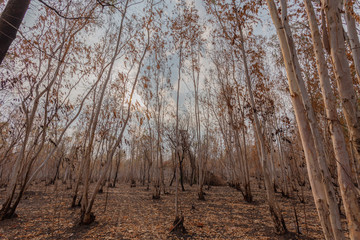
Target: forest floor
column 131, row 213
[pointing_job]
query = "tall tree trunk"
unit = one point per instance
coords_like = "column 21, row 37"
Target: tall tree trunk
column 353, row 36
column 247, row 187
column 10, row 21
column 347, row 188
column 283, row 163
column 321, row 188
column 342, row 71
column 178, row 222
column 318, row 140
column 274, row 208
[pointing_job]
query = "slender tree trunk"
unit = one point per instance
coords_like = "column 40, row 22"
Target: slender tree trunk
column 283, row 163
column 248, row 194
column 195, row 68
column 117, row 169
column 157, row 169
column 179, row 219
column 274, row 208
column 182, row 171
column 162, row 177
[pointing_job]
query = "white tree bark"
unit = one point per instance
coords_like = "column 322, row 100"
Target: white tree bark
column 324, row 198
column 347, row 188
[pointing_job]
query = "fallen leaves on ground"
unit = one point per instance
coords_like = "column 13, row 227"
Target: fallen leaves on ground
column 131, row 213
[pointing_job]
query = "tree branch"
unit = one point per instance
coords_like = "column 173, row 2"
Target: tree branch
column 60, row 14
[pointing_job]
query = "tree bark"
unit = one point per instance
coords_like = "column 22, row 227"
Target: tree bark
column 321, row 188
column 347, row 188
column 317, row 136
column 342, row 72
column 353, row 37
column 10, row 21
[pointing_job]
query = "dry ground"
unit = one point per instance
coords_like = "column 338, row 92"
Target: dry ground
column 131, row 213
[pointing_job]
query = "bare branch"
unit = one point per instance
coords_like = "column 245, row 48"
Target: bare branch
column 60, row 14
